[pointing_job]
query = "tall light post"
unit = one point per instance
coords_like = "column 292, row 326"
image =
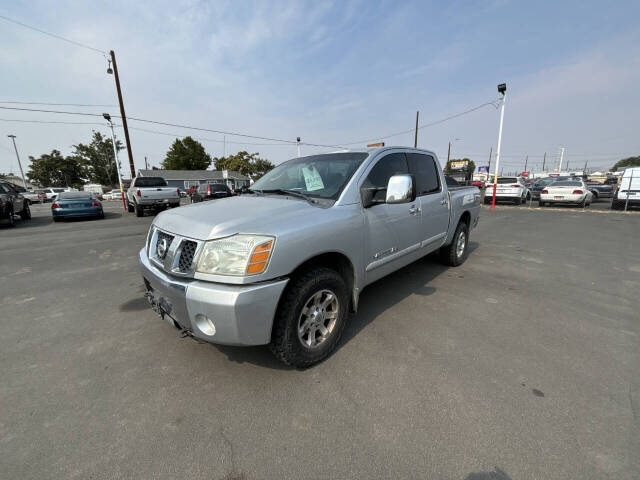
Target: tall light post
column 502, row 88
column 107, row 117
column 298, row 142
column 13, row 137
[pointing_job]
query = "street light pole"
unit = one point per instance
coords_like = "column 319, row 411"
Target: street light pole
column 415, row 141
column 298, row 142
column 13, row 137
column 107, row 117
column 502, row 88
column 122, row 114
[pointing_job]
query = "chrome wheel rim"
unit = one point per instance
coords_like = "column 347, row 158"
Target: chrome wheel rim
column 461, row 244
column 318, row 318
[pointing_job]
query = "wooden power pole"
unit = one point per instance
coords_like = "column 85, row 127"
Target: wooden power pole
column 123, row 115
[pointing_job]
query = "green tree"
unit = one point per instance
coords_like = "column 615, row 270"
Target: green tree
column 98, row 159
column 249, row 164
column 54, row 170
column 186, row 154
column 627, row 162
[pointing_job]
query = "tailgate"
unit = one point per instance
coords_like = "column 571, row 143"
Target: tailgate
column 158, row 193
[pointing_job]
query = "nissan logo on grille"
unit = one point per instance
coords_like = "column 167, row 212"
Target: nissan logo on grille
column 162, row 248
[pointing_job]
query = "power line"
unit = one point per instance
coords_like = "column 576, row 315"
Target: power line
column 431, row 124
column 209, row 139
column 59, row 104
column 52, row 111
column 59, row 37
column 48, row 121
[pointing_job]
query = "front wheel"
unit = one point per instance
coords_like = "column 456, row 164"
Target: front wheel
column 310, row 318
column 457, row 251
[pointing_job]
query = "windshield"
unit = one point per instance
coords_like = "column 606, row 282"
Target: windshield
column 322, row 176
column 566, row 184
column 150, row 182
column 58, row 190
column 507, row 180
column 75, row 196
column 218, row 188
column 544, row 181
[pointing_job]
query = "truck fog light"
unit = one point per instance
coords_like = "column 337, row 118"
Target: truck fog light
column 205, row 324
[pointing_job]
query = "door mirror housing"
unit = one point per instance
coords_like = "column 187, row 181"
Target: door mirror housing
column 401, row 189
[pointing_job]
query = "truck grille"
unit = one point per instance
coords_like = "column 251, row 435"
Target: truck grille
column 163, row 244
column 186, row 255
column 172, row 253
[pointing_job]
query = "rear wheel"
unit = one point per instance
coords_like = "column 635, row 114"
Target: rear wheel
column 617, row 205
column 26, row 211
column 457, row 251
column 310, row 318
column 541, row 203
column 139, row 211
column 518, row 201
column 130, row 208
column 12, row 222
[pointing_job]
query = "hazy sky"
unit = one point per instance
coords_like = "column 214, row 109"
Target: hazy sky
column 332, row 73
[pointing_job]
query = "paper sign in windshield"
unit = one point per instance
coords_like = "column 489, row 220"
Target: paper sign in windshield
column 312, row 179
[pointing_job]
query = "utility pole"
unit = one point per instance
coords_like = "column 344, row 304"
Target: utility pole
column 448, row 154
column 298, row 143
column 526, row 160
column 415, row 141
column 224, row 146
column 561, row 157
column 122, row 114
column 13, row 137
column 107, row 117
column 146, row 165
column 502, row 88
column 544, row 160
column 584, row 170
column 489, row 166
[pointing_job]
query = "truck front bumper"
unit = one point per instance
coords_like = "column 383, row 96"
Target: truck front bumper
column 213, row 312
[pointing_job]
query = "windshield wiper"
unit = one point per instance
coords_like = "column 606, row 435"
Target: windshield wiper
column 293, row 193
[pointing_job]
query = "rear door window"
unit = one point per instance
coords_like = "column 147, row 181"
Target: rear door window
column 426, row 173
column 387, row 166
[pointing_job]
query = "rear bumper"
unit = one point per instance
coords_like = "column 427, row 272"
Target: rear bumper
column 565, row 198
column 214, row 312
column 76, row 212
column 149, row 202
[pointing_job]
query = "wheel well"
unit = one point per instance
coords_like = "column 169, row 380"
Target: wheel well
column 336, row 261
column 466, row 218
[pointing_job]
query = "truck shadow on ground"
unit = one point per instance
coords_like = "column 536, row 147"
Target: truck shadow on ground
column 375, row 299
column 495, row 474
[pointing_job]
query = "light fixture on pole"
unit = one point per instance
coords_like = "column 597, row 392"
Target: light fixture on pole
column 298, row 142
column 502, row 88
column 13, row 137
column 107, row 117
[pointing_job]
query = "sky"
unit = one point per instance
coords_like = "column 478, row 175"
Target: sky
column 333, row 73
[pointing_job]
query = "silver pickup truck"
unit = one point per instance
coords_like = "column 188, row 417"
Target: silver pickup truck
column 151, row 193
column 285, row 263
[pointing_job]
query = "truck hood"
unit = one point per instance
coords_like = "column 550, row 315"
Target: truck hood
column 267, row 215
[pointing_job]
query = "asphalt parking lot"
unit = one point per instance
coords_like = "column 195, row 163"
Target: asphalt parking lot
column 522, row 363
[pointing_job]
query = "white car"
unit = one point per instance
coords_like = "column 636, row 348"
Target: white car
column 51, row 193
column 511, row 189
column 566, row 191
column 112, row 195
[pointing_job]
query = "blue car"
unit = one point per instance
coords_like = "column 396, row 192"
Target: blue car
column 75, row 205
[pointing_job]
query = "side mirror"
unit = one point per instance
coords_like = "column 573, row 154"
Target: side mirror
column 401, row 189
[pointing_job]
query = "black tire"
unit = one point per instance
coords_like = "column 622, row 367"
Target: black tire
column 583, row 203
column 56, row 219
column 139, row 211
column 130, row 208
column 26, row 211
column 286, row 344
column 541, row 204
column 518, row 201
column 101, row 215
column 616, row 205
column 449, row 253
column 12, row 222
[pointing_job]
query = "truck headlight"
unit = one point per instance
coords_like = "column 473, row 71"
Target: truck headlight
column 238, row 255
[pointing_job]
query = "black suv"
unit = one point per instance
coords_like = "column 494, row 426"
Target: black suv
column 12, row 203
